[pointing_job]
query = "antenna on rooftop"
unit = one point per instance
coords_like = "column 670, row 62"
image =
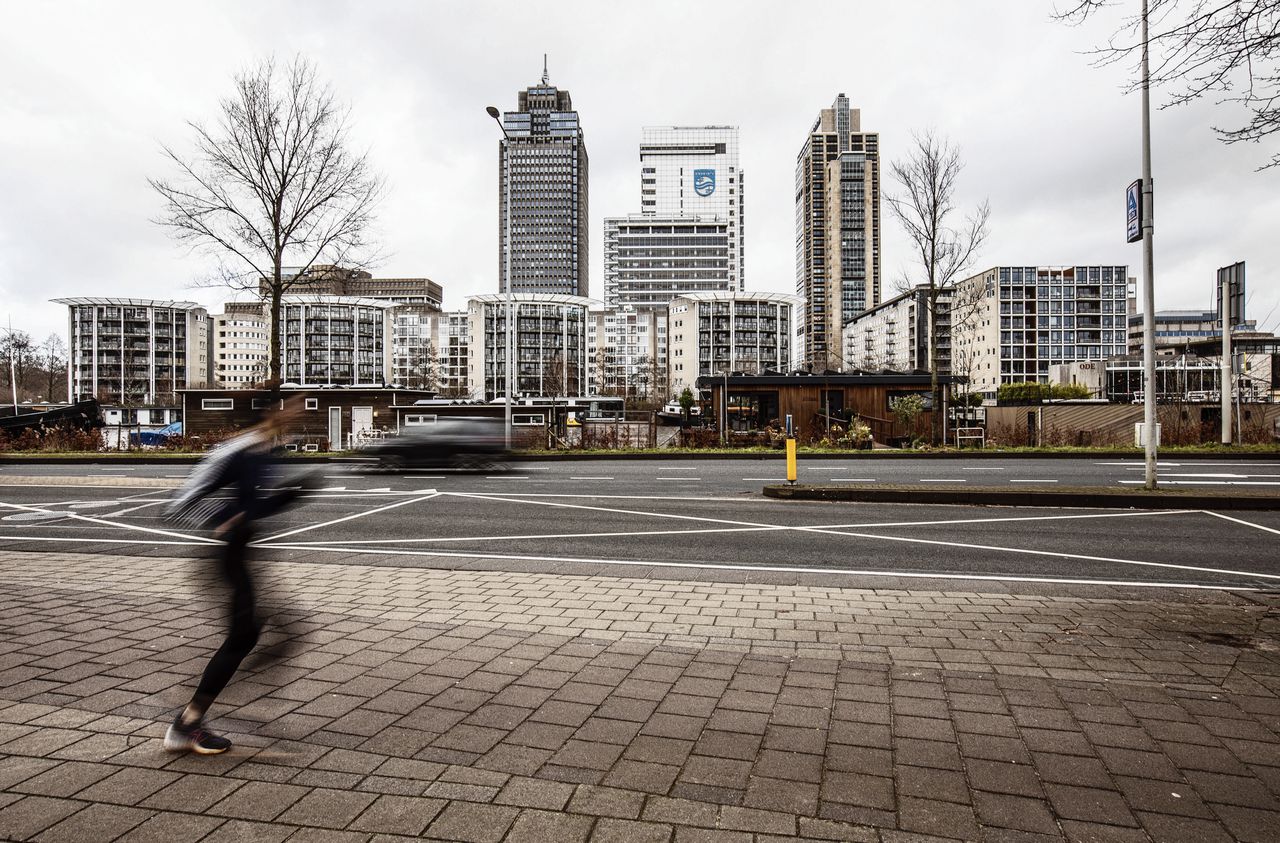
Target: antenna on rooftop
column 544, row 70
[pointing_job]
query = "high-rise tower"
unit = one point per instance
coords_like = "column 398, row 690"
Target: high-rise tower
column 548, row 192
column 837, row 229
column 688, row 236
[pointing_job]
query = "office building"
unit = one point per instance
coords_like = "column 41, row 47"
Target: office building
column 241, row 338
column 328, row 280
column 550, row 345
column 837, row 237
column 1025, row 319
column 335, row 341
column 894, row 334
column 544, row 147
column 1176, row 329
column 713, row 333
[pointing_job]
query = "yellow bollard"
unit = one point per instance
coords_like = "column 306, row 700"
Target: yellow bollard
column 791, row 461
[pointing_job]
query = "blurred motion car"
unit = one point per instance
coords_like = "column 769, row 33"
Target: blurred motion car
column 156, row 438
column 473, row 443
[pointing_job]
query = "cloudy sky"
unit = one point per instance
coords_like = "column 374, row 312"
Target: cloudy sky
column 89, row 91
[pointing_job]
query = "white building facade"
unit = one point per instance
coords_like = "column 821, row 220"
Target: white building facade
column 335, row 341
column 627, row 353
column 711, row 333
column 240, row 343
column 1026, row 319
column 550, row 345
column 895, row 334
column 689, row 234
column 135, row 351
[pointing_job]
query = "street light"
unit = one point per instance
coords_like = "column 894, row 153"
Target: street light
column 506, row 178
column 1148, row 272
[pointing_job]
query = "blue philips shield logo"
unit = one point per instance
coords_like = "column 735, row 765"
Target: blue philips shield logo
column 704, row 182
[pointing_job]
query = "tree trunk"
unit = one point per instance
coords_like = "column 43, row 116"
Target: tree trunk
column 273, row 353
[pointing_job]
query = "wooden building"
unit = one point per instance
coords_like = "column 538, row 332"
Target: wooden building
column 331, row 420
column 757, row 402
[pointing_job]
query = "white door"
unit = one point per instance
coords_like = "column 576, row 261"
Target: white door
column 335, row 428
column 361, row 421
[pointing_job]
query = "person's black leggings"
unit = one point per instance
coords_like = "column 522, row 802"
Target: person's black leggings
column 244, row 622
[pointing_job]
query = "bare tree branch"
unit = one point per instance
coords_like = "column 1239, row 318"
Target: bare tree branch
column 272, row 185
column 946, row 247
column 1229, row 49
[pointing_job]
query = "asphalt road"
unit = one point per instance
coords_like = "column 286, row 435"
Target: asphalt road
column 694, row 520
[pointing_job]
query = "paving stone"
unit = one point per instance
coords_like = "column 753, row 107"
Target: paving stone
column 398, row 815
column 1089, row 804
column 128, row 786
column 1014, row 812
column 193, row 793
column 65, row 779
column 262, row 801
column 548, row 826
column 931, row 816
column 32, row 814
column 531, row 793
column 95, row 822
column 606, row 802
column 469, row 822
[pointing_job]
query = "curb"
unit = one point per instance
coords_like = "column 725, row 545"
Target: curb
column 1101, row 498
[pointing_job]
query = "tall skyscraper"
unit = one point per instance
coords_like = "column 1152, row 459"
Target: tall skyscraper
column 688, row 236
column 837, row 229
column 547, row 155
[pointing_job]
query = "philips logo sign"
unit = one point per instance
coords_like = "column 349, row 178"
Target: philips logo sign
column 704, row 182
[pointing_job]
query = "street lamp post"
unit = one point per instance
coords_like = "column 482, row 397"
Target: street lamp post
column 1148, row 271
column 510, row 341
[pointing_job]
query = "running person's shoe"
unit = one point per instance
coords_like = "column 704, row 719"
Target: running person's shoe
column 195, row 739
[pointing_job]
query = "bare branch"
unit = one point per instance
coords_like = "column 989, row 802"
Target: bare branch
column 273, row 184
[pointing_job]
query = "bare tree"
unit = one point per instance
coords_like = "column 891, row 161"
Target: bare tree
column 1226, row 49
column 273, row 184
column 53, row 359
column 944, row 245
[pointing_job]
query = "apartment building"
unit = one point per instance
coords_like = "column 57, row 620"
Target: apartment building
column 651, row 259
column 894, row 334
column 335, row 341
column 550, row 345
column 837, row 235
column 135, row 351
column 1025, row 319
column 429, row 350
column 241, row 339
column 627, row 353
column 713, row 333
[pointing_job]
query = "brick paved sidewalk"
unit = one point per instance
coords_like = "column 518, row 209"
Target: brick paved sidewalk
column 487, row 706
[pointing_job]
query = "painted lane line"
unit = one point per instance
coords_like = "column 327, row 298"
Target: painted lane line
column 505, row 477
column 616, row 511
column 590, row 478
column 679, row 468
column 351, row 517
column 1011, row 518
column 928, row 480
column 333, row 489
column 1241, row 521
column 1055, row 554
column 771, row 568
column 1223, row 475
column 854, row 479
column 118, row 524
column 681, row 479
column 1033, row 481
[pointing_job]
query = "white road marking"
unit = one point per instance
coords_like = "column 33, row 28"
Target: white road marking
column 590, row 478
column 854, row 479
column 1033, row 481
column 505, row 477
column 104, row 541
column 378, row 489
column 119, row 524
column 751, row 529
column 1224, row 475
column 929, row 480
column 766, row 479
column 1240, row 521
column 1053, row 553
column 770, row 568
column 681, row 479
column 333, row 489
column 351, row 517
column 1208, row 482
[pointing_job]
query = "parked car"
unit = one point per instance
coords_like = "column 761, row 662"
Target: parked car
column 156, row 438
column 474, row 443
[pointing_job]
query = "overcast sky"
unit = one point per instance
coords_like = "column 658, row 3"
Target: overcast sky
column 88, row 91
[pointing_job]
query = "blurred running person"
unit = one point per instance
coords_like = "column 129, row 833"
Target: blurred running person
column 227, row 491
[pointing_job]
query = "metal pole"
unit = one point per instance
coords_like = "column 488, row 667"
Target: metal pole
column 1224, row 311
column 508, row 246
column 1148, row 270
column 13, row 371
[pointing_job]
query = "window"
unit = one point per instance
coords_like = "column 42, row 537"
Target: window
column 313, row 403
column 217, row 404
column 528, row 420
column 419, row 420
column 264, row 403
